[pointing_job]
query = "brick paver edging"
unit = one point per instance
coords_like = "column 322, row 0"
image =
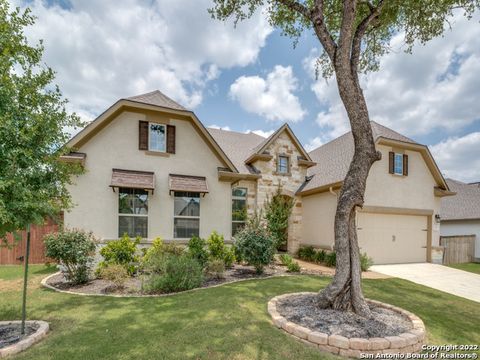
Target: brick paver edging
column 28, row 341
column 408, row 342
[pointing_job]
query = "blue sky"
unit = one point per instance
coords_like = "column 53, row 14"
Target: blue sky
column 252, row 79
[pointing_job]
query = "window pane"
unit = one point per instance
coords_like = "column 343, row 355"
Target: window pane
column 398, row 164
column 186, row 205
column 239, row 192
column 186, row 228
column 239, row 210
column 133, row 226
column 282, row 164
column 141, row 203
column 157, row 137
column 133, row 201
column 236, row 227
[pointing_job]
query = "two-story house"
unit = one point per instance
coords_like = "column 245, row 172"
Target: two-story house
column 153, row 169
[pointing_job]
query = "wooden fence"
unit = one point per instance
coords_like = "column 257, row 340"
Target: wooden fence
column 9, row 256
column 458, row 249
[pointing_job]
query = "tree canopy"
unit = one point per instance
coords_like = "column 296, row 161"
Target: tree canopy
column 33, row 123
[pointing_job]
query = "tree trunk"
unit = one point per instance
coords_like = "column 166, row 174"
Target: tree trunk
column 345, row 292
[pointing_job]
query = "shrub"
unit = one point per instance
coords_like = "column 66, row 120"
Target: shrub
column 153, row 259
column 215, row 269
column 319, row 256
column 285, row 259
column 256, row 246
column 216, row 246
column 306, row 253
column 174, row 273
column 74, row 250
column 331, row 259
column 121, row 252
column 116, row 273
column 196, row 250
column 277, row 212
column 293, row 266
column 229, row 257
column 365, row 262
column 237, row 253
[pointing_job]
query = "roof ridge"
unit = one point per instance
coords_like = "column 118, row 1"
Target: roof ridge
column 161, row 100
column 236, row 132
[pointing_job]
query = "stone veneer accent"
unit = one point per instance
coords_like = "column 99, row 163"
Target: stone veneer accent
column 408, row 342
column 28, row 341
column 267, row 185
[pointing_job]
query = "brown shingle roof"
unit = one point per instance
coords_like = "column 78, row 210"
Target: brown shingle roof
column 333, row 158
column 156, row 98
column 464, row 205
column 237, row 146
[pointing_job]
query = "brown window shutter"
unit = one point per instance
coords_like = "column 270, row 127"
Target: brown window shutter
column 405, row 165
column 143, row 135
column 170, row 139
column 391, row 160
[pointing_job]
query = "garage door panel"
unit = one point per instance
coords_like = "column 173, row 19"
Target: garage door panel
column 390, row 239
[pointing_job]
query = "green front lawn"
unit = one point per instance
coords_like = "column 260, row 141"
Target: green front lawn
column 471, row 267
column 11, row 272
column 227, row 322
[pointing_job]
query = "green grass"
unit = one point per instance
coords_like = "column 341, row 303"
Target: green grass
column 227, row 322
column 11, row 272
column 470, row 267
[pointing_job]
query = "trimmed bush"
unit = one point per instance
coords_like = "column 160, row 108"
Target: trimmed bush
column 285, row 259
column 256, row 246
column 306, row 253
column 116, row 273
column 331, row 259
column 123, row 252
column 229, row 257
column 216, row 246
column 74, row 250
column 293, row 266
column 196, row 250
column 174, row 273
column 365, row 262
column 215, row 269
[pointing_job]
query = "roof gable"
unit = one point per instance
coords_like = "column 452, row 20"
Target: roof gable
column 333, row 158
column 154, row 101
column 262, row 147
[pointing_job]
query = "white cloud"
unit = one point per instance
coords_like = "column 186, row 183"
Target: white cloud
column 272, row 97
column 435, row 88
column 262, row 133
column 459, row 157
column 104, row 50
column 314, row 143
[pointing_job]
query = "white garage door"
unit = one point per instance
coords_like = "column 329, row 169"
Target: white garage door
column 392, row 239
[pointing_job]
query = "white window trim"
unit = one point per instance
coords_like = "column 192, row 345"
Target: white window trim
column 394, row 164
column 149, row 138
column 246, row 206
column 129, row 215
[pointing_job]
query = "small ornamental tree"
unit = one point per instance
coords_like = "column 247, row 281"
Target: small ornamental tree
column 353, row 34
column 33, row 123
column 278, row 209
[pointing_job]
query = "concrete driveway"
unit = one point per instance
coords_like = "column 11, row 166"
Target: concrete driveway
column 444, row 278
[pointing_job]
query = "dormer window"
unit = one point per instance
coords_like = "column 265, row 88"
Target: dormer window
column 283, row 166
column 157, row 137
column 398, row 164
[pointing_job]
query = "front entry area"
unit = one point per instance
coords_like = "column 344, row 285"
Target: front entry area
column 393, row 238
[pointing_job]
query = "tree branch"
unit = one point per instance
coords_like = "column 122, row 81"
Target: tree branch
column 297, row 7
column 346, row 33
column 321, row 30
column 360, row 32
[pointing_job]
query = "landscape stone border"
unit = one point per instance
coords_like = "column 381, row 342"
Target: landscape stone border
column 408, row 342
column 38, row 335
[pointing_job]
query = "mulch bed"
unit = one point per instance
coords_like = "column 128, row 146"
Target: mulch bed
column 302, row 310
column 133, row 286
column 11, row 334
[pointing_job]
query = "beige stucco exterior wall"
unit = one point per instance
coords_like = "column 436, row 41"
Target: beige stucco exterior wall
column 414, row 193
column 116, row 146
column 268, row 183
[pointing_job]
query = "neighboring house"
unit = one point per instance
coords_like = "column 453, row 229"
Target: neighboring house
column 153, row 169
column 460, row 214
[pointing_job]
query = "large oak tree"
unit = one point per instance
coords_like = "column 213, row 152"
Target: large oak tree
column 353, row 34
